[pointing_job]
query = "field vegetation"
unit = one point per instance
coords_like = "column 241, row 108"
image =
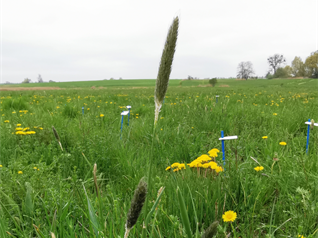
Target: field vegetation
column 49, row 184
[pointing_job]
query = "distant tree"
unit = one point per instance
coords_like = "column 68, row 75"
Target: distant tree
column 190, row 77
column 245, row 70
column 51, row 81
column 288, row 70
column 281, row 73
column 40, row 80
column 26, row 80
column 275, row 61
column 311, row 65
column 7, row 82
column 213, row 81
column 111, row 79
column 120, row 78
column 298, row 67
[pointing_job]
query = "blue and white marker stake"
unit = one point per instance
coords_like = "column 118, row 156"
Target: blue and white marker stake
column 124, row 113
column 83, row 110
column 308, row 131
column 128, row 107
column 223, row 139
column 217, row 98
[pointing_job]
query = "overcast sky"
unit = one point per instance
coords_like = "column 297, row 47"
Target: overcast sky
column 74, row 40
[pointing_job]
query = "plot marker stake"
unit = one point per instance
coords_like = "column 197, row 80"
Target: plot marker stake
column 217, row 98
column 223, row 139
column 308, row 131
column 128, row 107
column 83, row 110
column 124, row 113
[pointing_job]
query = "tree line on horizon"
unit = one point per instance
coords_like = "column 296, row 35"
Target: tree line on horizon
column 298, row 68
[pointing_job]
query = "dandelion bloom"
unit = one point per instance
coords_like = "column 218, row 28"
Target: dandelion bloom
column 265, row 137
column 20, row 133
column 282, row 143
column 259, row 168
column 35, row 168
column 203, row 158
column 6, row 121
column 219, row 169
column 229, row 216
column 275, row 114
column 18, row 129
column 101, row 115
column 214, row 152
column 18, row 124
column 0, row 165
column 301, row 236
column 20, row 172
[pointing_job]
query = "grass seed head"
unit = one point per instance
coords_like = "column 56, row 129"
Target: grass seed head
column 165, row 66
column 312, row 124
column 211, row 230
column 136, row 204
column 55, row 133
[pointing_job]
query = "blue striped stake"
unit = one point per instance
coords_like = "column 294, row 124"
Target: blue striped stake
column 83, row 110
column 308, row 131
column 128, row 107
column 223, row 139
column 217, row 98
column 124, row 113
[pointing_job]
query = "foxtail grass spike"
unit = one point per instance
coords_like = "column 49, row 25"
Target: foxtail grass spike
column 52, row 235
column 211, row 230
column 312, row 124
column 57, row 137
column 165, row 66
column 95, row 178
column 136, row 206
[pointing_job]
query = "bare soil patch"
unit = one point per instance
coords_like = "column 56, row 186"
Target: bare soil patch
column 224, row 86
column 29, row 88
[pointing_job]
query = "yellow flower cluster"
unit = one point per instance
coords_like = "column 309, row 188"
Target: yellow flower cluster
column 203, row 161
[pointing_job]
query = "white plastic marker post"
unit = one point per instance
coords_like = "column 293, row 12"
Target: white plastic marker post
column 128, row 107
column 217, row 97
column 124, row 113
column 223, row 139
column 308, row 130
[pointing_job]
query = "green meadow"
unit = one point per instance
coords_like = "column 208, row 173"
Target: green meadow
column 47, row 182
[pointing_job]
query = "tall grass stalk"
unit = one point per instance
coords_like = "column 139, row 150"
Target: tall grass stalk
column 165, row 66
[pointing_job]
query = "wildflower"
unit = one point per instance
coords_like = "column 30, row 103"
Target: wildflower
column 259, row 168
column 20, row 133
column 229, row 216
column 214, row 152
column 203, row 158
column 57, row 107
column 0, row 165
column 20, row 172
column 301, row 236
column 101, row 115
column 6, row 121
column 40, row 128
column 219, row 169
column 283, row 143
column 265, row 137
column 18, row 129
column 136, row 117
column 18, row 124
column 275, row 114
column 13, row 112
column 87, row 109
column 35, row 168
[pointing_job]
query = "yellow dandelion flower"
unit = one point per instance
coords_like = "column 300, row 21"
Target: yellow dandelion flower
column 214, row 152
column 0, row 165
column 18, row 129
column 168, row 168
column 283, row 143
column 219, row 169
column 229, row 216
column 18, row 124
column 258, row 168
column 101, row 115
column 35, row 168
column 20, row 172
column 13, row 112
column 265, row 137
column 301, row 236
column 275, row 114
column 6, row 121
column 203, row 158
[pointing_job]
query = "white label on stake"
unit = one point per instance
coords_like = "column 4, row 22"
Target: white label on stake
column 309, row 123
column 217, row 96
column 128, row 107
column 228, row 138
column 124, row 113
